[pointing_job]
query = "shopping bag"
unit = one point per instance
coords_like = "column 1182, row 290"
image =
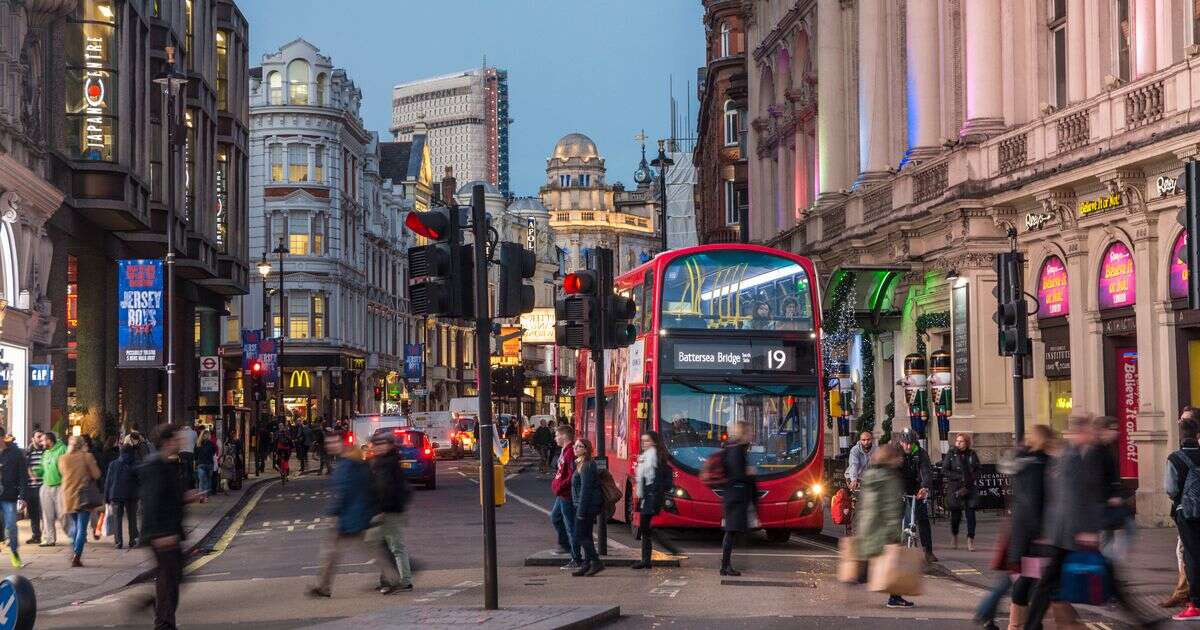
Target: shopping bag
column 1085, row 579
column 849, row 566
column 896, row 571
column 101, row 519
column 1033, row 566
column 108, row 522
column 840, row 507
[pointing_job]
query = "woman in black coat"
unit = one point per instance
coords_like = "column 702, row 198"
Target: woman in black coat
column 740, row 491
column 589, row 502
column 960, row 467
column 653, row 476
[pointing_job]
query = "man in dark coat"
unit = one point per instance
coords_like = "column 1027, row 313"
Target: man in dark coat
column 391, row 497
column 163, row 496
column 917, row 476
column 741, row 491
column 14, row 483
column 121, row 492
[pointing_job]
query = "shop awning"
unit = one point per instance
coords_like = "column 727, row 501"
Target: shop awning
column 873, row 293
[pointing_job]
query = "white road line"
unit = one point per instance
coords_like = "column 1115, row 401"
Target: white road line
column 763, row 555
column 211, row 574
column 812, row 543
column 350, row 564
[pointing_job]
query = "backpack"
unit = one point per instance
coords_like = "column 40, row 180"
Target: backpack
column 840, row 507
column 608, row 488
column 1189, row 497
column 712, row 474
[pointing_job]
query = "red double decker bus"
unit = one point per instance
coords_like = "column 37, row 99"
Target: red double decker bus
column 725, row 333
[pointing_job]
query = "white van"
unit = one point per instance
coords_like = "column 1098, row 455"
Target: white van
column 364, row 425
column 438, row 425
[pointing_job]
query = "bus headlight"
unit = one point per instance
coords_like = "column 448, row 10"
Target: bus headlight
column 818, row 489
column 680, row 493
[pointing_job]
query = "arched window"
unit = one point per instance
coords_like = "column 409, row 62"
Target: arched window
column 726, row 35
column 275, row 87
column 321, row 90
column 297, row 72
column 732, row 124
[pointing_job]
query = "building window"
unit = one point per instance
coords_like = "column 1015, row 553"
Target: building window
column 585, row 179
column 223, row 70
column 276, row 152
column 732, row 124
column 319, row 308
column 321, row 89
column 319, row 164
column 298, row 309
column 1124, row 41
column 731, row 209
column 298, row 82
column 726, row 35
column 1058, row 42
column 275, row 87
column 298, row 235
column 1195, row 22
column 297, row 163
column 564, row 181
column 189, row 32
column 319, row 224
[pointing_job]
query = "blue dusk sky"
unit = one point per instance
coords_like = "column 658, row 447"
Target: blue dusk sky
column 599, row 68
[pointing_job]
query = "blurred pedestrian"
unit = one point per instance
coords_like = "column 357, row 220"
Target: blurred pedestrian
column 354, row 507
column 302, row 442
column 391, row 497
column 324, row 464
column 1183, row 487
column 33, row 499
column 562, row 515
column 1119, row 525
column 228, row 464
column 960, row 469
column 588, row 498
column 187, row 454
column 1179, row 596
column 653, row 477
column 543, row 441
column 262, row 446
column 206, row 455
column 163, row 495
column 14, row 486
column 740, row 492
column 859, row 459
column 51, row 491
column 1027, row 468
column 917, row 475
column 880, row 509
column 121, row 492
column 79, row 492
column 283, row 450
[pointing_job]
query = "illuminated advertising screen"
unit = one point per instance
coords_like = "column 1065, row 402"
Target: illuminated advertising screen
column 1179, row 268
column 1053, row 295
column 1118, row 286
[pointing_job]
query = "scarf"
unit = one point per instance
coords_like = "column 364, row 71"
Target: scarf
column 646, row 462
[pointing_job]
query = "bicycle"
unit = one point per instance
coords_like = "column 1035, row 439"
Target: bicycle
column 910, row 535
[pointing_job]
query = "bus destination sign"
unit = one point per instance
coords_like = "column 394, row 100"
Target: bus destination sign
column 745, row 356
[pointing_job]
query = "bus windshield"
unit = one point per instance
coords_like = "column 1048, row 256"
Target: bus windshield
column 736, row 289
column 784, row 423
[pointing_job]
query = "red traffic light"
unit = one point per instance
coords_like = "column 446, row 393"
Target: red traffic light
column 579, row 282
column 433, row 225
column 256, row 367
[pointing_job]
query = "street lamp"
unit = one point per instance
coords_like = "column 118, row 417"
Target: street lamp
column 170, row 84
column 662, row 162
column 281, row 249
column 264, row 270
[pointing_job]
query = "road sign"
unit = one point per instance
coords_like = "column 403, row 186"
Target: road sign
column 210, row 384
column 18, row 604
column 209, row 364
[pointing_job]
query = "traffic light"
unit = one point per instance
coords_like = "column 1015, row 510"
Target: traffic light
column 1189, row 218
column 258, row 388
column 619, row 312
column 440, row 274
column 516, row 265
column 1012, row 319
column 378, row 393
column 577, row 314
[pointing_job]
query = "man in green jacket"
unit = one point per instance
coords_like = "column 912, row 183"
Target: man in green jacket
column 51, row 477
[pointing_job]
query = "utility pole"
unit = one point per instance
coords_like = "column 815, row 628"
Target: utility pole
column 170, row 84
column 483, row 331
column 604, row 276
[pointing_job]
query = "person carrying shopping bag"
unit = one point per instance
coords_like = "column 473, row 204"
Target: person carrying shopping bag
column 880, row 510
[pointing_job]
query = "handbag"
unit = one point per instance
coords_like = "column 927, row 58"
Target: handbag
column 1086, row 579
column 89, row 497
column 897, row 571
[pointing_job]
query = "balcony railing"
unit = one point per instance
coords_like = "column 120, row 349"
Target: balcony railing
column 1144, row 105
column 1073, row 130
column 931, row 182
column 1014, row 152
column 877, row 204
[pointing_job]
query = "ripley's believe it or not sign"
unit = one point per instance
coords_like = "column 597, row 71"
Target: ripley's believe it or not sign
column 91, row 82
column 1052, row 293
column 1179, row 268
column 1118, row 286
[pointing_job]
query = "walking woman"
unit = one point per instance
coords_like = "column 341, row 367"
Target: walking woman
column 961, row 469
column 740, row 492
column 653, row 483
column 880, row 510
column 79, row 476
column 589, row 502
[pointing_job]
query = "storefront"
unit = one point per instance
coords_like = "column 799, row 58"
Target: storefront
column 1116, row 296
column 14, row 390
column 1054, row 309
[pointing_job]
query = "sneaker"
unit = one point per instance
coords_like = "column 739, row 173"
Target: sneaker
column 930, row 558
column 561, row 552
column 1189, row 613
column 895, row 601
column 317, row 591
column 15, row 559
column 46, row 544
column 33, row 541
column 570, row 566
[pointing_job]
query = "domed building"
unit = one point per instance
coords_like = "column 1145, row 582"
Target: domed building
column 586, row 212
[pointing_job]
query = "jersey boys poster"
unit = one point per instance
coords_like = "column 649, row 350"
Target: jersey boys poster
column 140, row 313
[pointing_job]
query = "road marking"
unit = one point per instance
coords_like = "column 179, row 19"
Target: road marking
column 211, row 574
column 765, row 555
column 812, row 543
column 348, row 564
column 227, row 537
column 447, row 592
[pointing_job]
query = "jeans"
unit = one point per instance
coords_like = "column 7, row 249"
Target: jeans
column 1189, row 535
column 990, row 602
column 128, row 509
column 396, row 552
column 187, row 462
column 33, row 506
column 562, row 516
column 956, row 519
column 81, row 519
column 583, row 538
column 333, row 549
column 50, row 508
column 166, row 586
column 204, row 477
column 10, row 523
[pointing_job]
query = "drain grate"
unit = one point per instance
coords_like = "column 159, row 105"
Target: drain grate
column 778, row 583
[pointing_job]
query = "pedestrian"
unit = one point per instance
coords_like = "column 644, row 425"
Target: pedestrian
column 543, row 441
column 589, row 503
column 917, row 476
column 391, row 498
column 354, row 507
column 302, row 442
column 1179, row 596
column 205, row 456
column 33, row 499
column 740, row 492
column 653, row 477
column 228, row 465
column 283, row 451
column 163, row 495
column 323, row 462
column 187, row 455
column 79, row 492
column 562, row 515
column 51, row 491
column 263, row 446
column 14, row 487
column 880, row 510
column 121, row 492
column 1027, row 468
column 859, row 459
column 141, row 446
column 960, row 469
column 1119, row 524
column 1183, row 482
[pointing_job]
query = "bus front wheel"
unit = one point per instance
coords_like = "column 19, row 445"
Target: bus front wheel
column 778, row 536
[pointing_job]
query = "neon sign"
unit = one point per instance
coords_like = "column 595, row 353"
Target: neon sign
column 1089, row 206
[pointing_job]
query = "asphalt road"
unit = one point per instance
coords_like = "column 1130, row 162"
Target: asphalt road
column 259, row 579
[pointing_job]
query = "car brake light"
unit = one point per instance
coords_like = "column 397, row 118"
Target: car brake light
column 350, row 438
column 429, row 451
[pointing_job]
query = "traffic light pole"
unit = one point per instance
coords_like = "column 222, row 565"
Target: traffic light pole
column 604, row 281
column 483, row 331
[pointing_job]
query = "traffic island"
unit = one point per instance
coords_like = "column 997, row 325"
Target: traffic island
column 448, row 617
column 616, row 558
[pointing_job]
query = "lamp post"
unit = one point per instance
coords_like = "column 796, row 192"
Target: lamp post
column 662, row 162
column 170, row 84
column 264, row 270
column 281, row 249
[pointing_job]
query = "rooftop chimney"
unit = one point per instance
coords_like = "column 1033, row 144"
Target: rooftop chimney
column 449, row 187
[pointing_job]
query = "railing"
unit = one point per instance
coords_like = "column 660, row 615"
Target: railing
column 1074, row 130
column 929, row 183
column 1013, row 153
column 877, row 204
column 1144, row 105
column 835, row 222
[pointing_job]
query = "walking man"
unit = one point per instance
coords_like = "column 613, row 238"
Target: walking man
column 391, row 497
column 14, row 484
column 47, row 471
column 1183, row 486
column 33, row 501
column 562, row 516
column 187, row 454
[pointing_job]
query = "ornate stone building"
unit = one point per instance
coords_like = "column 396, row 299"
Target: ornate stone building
column 944, row 128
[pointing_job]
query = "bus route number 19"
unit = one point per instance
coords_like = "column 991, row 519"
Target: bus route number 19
column 776, row 359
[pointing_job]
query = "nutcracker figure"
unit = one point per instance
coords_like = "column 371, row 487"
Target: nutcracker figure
column 940, row 387
column 841, row 407
column 916, row 376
